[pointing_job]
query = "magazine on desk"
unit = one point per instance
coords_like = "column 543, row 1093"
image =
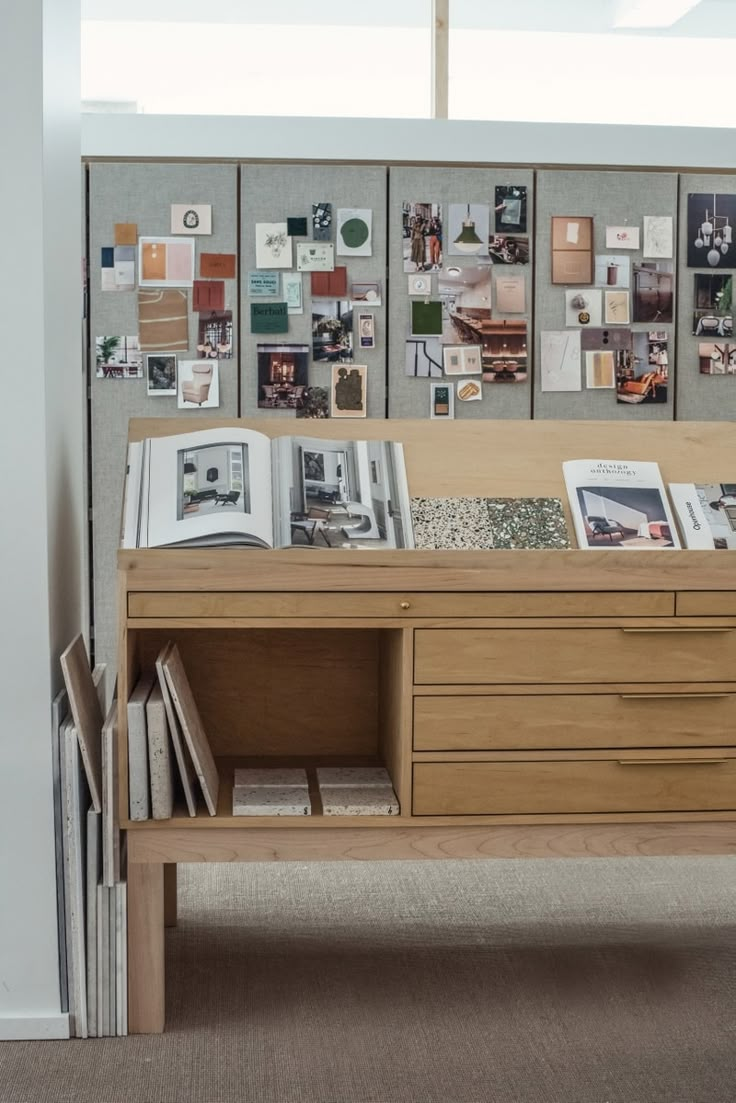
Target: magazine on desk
column 230, row 486
column 706, row 513
column 619, row 504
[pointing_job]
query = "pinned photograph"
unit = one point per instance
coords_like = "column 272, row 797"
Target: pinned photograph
column 469, row 391
column 653, row 291
column 559, row 359
column 332, row 330
column 441, row 401
column 710, row 221
column 291, row 290
column 616, row 308
column 191, row 218
column 354, row 229
column 508, row 249
column 366, row 331
column 504, row 350
column 198, row 384
column 215, row 335
column 612, row 270
column 365, row 294
column 315, row 258
column 468, row 229
column 717, row 359
column 510, row 208
column 213, row 478
column 117, row 268
column 622, row 237
column 161, row 374
column 644, row 379
column 118, row 358
column 465, row 295
column 423, row 357
column 421, row 228
column 315, row 403
column 583, row 307
column 165, row 262
column 321, row 222
column 348, row 391
column 658, row 242
column 273, row 245
column 713, row 314
column 462, row 360
column 163, row 321
column 283, row 375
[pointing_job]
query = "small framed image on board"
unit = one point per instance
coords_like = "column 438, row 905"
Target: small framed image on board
column 366, row 331
column 348, row 390
column 441, row 401
column 161, row 374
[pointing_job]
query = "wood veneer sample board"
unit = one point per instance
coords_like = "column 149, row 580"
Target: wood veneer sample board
column 85, row 706
column 183, row 761
column 194, row 733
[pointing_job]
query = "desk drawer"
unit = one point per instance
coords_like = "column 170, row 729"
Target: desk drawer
column 539, row 721
column 572, row 655
column 534, row 787
column 190, row 604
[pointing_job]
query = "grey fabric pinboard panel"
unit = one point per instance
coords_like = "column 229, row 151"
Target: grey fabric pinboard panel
column 410, row 396
column 143, row 193
column 612, row 199
column 701, row 397
column 273, row 193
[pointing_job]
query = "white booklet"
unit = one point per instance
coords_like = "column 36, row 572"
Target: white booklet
column 237, row 486
column 706, row 514
column 619, row 504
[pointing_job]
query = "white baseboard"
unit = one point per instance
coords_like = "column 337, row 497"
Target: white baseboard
column 30, row 1027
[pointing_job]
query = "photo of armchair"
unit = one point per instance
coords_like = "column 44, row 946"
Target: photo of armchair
column 197, row 388
column 601, row 526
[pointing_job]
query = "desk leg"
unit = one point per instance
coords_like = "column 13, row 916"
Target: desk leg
column 146, row 995
column 170, row 894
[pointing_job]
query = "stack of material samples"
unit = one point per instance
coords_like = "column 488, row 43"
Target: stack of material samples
column 271, row 791
column 356, row 791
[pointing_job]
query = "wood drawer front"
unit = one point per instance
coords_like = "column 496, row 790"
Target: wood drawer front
column 534, row 787
column 559, row 721
column 474, row 656
column 708, row 603
column 190, row 604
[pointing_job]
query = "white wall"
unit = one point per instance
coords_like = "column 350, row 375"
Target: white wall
column 41, row 550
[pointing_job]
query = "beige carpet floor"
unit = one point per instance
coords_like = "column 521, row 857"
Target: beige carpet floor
column 592, row 981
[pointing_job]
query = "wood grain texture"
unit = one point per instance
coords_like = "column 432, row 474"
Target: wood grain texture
column 186, row 772
column 705, row 604
column 170, row 895
column 557, row 840
column 193, row 730
column 395, row 709
column 532, row 785
column 519, row 655
column 85, row 706
column 146, row 972
column 527, row 722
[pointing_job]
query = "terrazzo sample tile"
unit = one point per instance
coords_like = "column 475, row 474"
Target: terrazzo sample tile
column 359, row 800
column 270, row 800
column 441, row 523
column 281, row 777
column 353, row 775
column 527, row 523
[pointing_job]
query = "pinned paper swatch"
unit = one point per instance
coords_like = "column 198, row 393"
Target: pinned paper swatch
column 217, row 266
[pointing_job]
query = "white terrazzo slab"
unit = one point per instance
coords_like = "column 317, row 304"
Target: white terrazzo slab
column 359, row 800
column 362, row 776
column 269, row 800
column 279, row 777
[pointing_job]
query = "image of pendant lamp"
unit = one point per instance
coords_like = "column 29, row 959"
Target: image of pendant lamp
column 467, row 241
column 718, row 228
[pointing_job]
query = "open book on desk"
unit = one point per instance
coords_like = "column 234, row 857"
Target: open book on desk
column 232, row 486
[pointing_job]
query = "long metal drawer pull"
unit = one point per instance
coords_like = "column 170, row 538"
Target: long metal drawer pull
column 675, row 629
column 669, row 696
column 672, row 761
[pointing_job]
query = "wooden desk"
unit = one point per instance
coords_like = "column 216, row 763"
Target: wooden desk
column 537, row 704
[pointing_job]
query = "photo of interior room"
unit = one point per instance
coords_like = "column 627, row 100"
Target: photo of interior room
column 713, row 305
column 714, row 359
column 632, row 517
column 642, row 375
column 653, row 291
column 343, row 494
column 465, row 294
column 332, row 330
column 213, row 479
column 283, row 374
column 504, row 352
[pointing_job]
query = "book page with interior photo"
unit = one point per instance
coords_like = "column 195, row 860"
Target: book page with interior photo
column 706, row 514
column 619, row 504
column 211, row 487
column 340, row 494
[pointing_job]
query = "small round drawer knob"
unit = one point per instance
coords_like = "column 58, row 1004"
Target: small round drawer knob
column 405, row 604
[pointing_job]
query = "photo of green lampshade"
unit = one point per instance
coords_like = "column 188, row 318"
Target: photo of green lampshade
column 468, row 240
